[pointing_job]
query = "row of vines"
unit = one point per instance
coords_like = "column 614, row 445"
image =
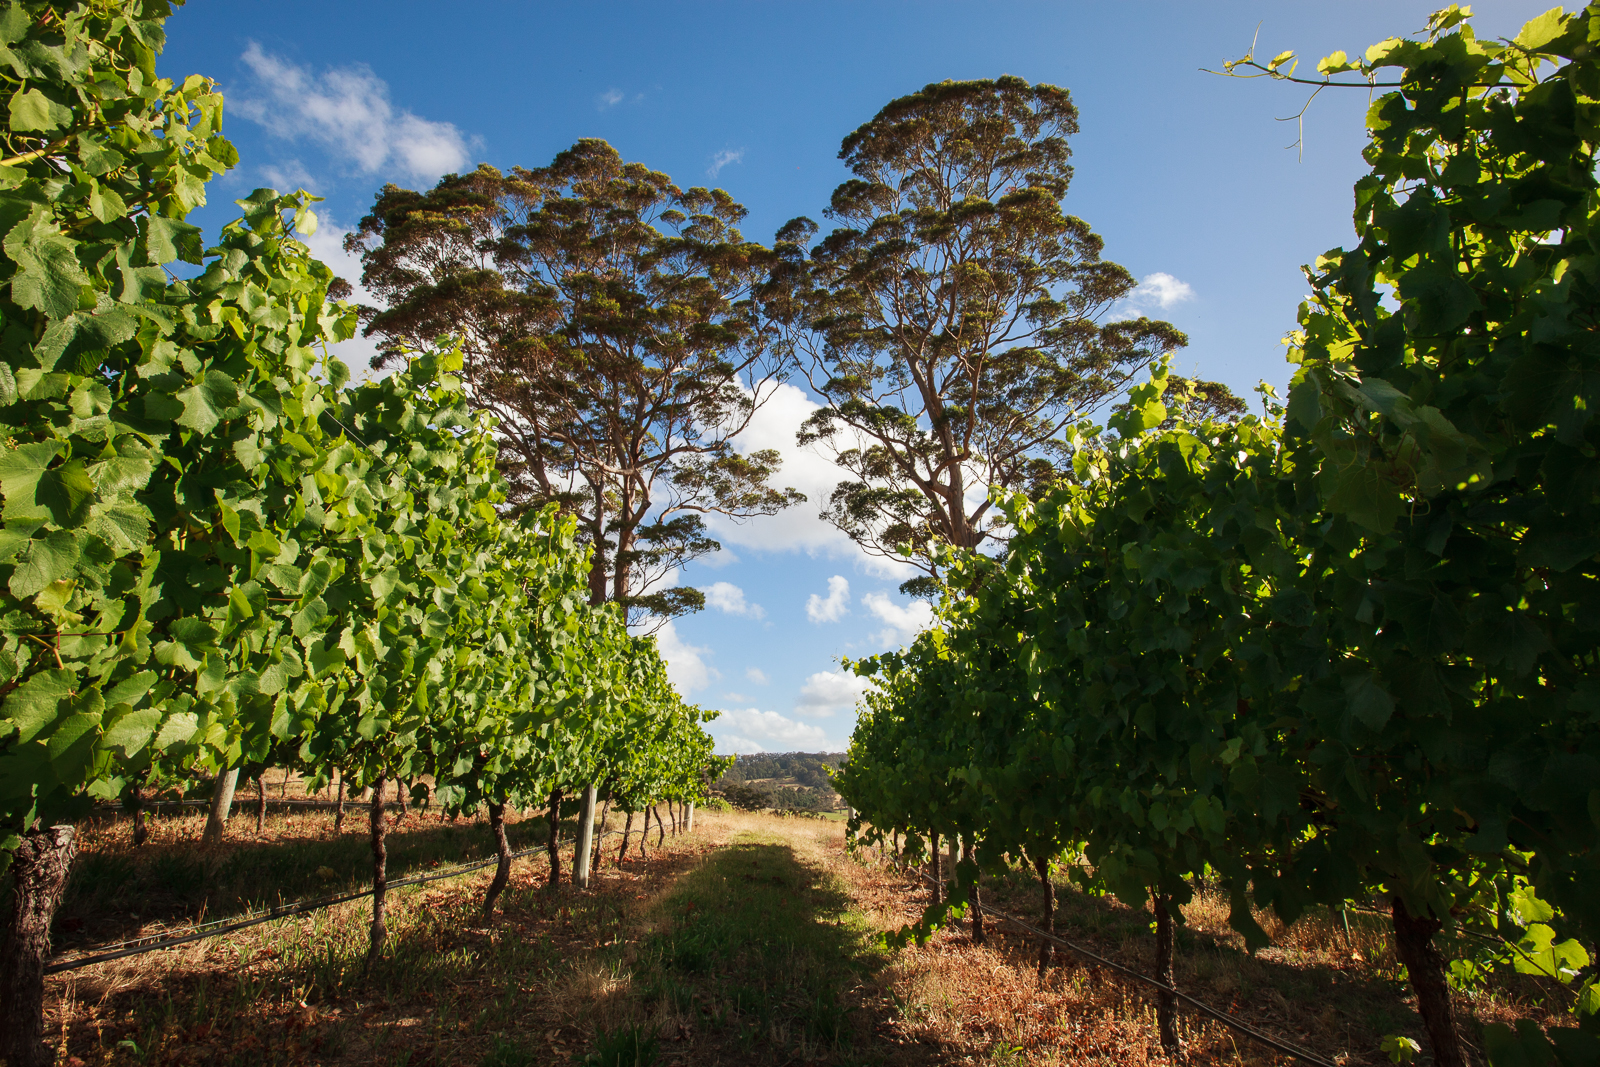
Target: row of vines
column 1348, row 650
column 216, row 551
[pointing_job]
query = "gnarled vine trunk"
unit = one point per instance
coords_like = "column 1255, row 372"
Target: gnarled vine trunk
column 1166, row 1003
column 338, row 809
column 937, row 893
column 502, row 848
column 627, row 829
column 261, row 803
column 553, row 848
column 600, row 833
column 1041, row 864
column 975, row 894
column 1413, row 943
column 661, row 832
column 39, row 870
column 141, row 830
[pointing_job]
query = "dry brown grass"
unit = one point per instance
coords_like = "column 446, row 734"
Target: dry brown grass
column 1333, row 995
column 559, row 968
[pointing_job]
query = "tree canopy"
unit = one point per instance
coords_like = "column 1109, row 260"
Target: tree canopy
column 952, row 321
column 607, row 322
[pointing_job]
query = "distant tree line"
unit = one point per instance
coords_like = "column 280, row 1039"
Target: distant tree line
column 758, row 781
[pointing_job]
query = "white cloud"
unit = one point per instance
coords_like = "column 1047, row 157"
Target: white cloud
column 757, row 675
column 723, row 159
column 327, row 244
column 828, row 691
column 347, row 110
column 754, row 730
column 737, row 698
column 608, row 99
column 687, row 670
column 834, row 607
column 729, row 599
column 905, row 620
column 1157, row 292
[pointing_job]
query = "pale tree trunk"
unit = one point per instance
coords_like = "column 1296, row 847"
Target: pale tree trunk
column 378, row 826
column 221, row 806
column 39, row 870
column 502, row 871
column 554, row 847
column 1041, row 864
column 691, row 817
column 1413, row 942
column 1166, row 1003
column 581, row 852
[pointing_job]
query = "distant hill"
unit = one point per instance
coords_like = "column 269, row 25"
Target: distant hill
column 781, row 780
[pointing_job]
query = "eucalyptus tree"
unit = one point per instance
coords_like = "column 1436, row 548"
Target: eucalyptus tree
column 607, row 320
column 956, row 320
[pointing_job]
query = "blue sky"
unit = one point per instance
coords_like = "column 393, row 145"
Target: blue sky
column 1185, row 174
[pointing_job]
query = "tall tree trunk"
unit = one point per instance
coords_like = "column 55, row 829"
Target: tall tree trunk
column 600, row 834
column 979, row 935
column 1041, row 864
column 934, row 872
column 338, row 808
column 1413, row 938
column 39, row 870
column 502, row 848
column 261, row 803
column 661, row 832
column 554, row 847
column 627, row 828
column 141, row 831
column 581, row 852
column 380, row 873
column 221, row 806
column 1166, row 1003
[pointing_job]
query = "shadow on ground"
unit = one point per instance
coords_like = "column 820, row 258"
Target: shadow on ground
column 757, row 956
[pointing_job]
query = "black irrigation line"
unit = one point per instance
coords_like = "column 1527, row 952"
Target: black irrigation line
column 1198, row 1005
column 116, row 951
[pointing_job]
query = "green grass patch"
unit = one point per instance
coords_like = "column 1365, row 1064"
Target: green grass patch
column 758, row 950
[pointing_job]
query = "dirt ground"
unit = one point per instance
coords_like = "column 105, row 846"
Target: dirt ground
column 753, row 940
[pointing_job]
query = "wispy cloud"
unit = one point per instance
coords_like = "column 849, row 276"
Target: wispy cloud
column 757, row 675
column 347, row 111
column 835, row 607
column 1157, row 292
column 729, row 599
column 724, row 158
column 608, row 99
